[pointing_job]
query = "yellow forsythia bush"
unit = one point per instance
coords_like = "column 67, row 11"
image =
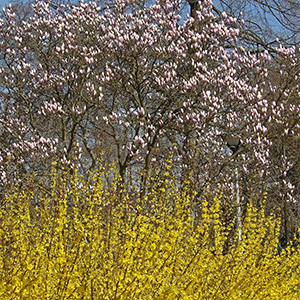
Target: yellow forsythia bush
column 77, row 241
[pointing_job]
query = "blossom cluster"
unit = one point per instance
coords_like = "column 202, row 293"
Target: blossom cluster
column 145, row 82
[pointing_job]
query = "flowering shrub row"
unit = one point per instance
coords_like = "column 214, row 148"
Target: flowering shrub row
column 89, row 240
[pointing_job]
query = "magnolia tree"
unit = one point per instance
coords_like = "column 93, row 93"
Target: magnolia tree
column 284, row 158
column 138, row 84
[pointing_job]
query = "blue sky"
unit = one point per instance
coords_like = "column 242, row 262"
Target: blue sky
column 3, row 2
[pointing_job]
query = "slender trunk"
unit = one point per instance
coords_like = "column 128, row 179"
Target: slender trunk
column 145, row 174
column 238, row 203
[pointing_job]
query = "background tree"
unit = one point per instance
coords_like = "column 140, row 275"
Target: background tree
column 134, row 84
column 264, row 24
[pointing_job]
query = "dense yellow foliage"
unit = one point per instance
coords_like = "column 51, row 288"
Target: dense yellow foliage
column 78, row 242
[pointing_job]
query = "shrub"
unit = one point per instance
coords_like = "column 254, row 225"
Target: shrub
column 88, row 240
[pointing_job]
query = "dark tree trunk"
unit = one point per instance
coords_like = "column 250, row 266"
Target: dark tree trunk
column 194, row 4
